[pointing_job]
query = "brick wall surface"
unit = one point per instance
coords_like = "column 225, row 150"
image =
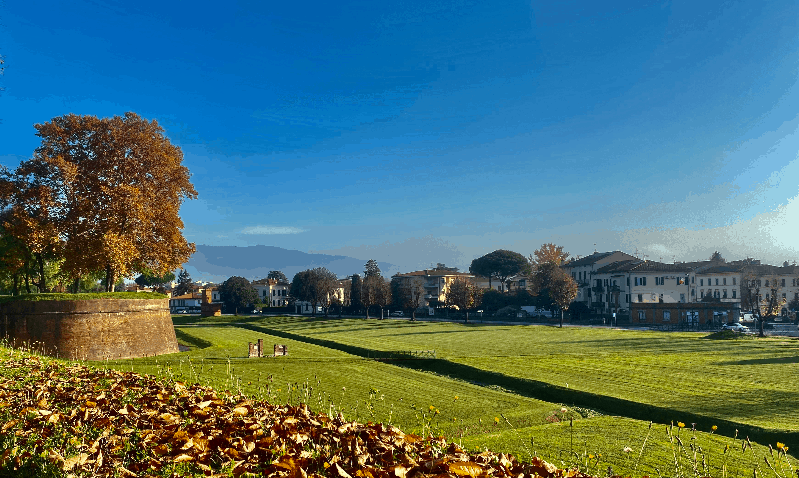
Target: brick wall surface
column 91, row 329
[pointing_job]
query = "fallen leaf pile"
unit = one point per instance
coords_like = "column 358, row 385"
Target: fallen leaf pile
column 89, row 422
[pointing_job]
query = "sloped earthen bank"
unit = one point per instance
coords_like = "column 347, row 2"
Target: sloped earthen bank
column 96, row 329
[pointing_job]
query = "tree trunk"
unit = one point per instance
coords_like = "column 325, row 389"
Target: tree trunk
column 109, row 279
column 367, row 312
column 762, row 320
column 42, row 279
column 27, row 278
column 467, row 317
column 15, row 289
column 381, row 313
column 413, row 315
column 561, row 318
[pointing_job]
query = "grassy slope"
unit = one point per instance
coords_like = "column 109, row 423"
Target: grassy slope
column 83, row 296
column 339, row 380
column 746, row 381
column 325, row 371
column 600, row 442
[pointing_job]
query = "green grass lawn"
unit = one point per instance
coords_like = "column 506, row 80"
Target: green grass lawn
column 743, row 381
column 641, row 366
column 328, row 379
column 630, row 447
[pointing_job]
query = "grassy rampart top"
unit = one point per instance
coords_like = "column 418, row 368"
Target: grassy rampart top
column 85, row 296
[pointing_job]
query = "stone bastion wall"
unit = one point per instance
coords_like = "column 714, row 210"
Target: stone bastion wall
column 96, row 329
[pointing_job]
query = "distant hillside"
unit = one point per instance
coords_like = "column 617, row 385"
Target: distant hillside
column 217, row 263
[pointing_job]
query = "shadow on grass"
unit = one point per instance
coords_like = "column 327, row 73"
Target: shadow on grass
column 765, row 361
column 188, row 339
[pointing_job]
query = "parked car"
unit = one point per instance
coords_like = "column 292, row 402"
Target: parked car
column 735, row 327
column 397, row 313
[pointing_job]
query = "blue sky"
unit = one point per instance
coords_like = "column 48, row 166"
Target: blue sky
column 423, row 132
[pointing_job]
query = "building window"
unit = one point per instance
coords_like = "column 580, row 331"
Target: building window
column 717, row 281
column 716, row 294
column 666, row 316
column 640, row 297
column 724, row 281
column 693, row 279
column 682, row 297
column 734, row 281
column 627, row 298
column 733, row 293
column 783, row 296
column 681, row 281
column 724, row 293
column 641, row 315
column 783, row 283
column 701, row 293
column 701, row 282
column 766, row 283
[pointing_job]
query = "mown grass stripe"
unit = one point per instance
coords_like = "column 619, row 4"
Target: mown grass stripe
column 553, row 393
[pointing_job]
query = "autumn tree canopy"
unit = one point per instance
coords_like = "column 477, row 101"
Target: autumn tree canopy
column 463, row 294
column 551, row 285
column 103, row 195
column 549, row 253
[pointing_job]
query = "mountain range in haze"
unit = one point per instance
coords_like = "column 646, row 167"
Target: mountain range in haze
column 218, row 263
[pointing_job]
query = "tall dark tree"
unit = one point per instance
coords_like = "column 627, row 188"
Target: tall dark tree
column 408, row 293
column 316, row 286
column 301, row 287
column 383, row 294
column 500, row 264
column 355, row 293
column 279, row 276
column 324, row 287
column 185, row 284
column 371, row 269
column 237, row 293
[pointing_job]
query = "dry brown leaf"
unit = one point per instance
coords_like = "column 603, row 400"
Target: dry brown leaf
column 465, row 468
column 10, row 424
column 340, row 471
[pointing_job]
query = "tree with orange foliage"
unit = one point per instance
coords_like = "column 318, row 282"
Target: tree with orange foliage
column 110, row 190
column 549, row 253
column 549, row 283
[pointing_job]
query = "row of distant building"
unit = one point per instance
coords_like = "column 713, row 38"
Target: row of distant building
column 608, row 283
